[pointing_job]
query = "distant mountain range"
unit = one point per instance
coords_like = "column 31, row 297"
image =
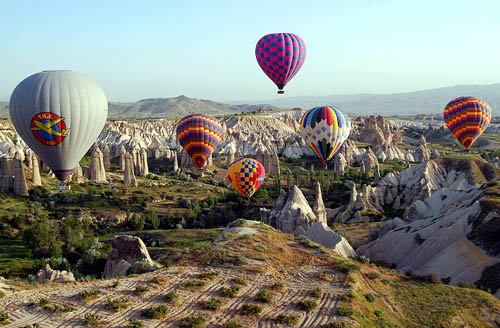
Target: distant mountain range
column 167, row 107
column 409, row 103
column 430, row 101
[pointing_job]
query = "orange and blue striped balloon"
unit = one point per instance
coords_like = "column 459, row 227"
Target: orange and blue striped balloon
column 325, row 129
column 467, row 118
column 199, row 135
column 246, row 176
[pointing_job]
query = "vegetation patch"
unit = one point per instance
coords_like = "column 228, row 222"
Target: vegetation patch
column 208, row 275
column 140, row 290
column 229, row 291
column 307, row 305
column 117, row 304
column 232, row 324
column 316, row 293
column 134, row 323
column 250, row 309
column 264, row 296
column 240, row 281
column 211, row 305
column 287, row 319
column 345, row 311
column 194, row 284
column 192, row 321
column 88, row 295
column 159, row 280
column 171, row 297
column 92, row 320
column 156, row 312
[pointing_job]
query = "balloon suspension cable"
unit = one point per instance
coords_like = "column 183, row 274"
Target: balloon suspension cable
column 280, row 92
column 247, row 203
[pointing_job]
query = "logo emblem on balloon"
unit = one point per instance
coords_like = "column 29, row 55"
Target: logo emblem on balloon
column 49, row 128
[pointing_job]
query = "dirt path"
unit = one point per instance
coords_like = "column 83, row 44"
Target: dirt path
column 297, row 285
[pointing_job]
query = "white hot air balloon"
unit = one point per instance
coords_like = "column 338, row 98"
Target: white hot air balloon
column 59, row 114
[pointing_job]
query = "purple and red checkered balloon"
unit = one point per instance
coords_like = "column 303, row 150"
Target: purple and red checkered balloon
column 280, row 55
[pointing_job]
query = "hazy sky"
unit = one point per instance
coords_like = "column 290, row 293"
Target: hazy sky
column 205, row 49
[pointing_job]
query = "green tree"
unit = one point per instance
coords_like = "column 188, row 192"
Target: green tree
column 153, row 219
column 41, row 234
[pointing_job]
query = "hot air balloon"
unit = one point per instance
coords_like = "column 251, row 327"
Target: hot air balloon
column 467, row 118
column 59, row 114
column 246, row 176
column 280, row 55
column 325, row 129
column 199, row 135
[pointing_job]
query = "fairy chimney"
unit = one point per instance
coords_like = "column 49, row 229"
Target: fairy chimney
column 107, row 161
column 20, row 186
column 35, row 171
column 97, row 171
column 128, row 173
column 122, row 158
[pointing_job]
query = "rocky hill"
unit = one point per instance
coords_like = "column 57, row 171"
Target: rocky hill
column 254, row 276
column 408, row 103
column 167, row 107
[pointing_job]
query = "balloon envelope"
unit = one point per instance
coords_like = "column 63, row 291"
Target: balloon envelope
column 199, row 135
column 246, row 176
column 59, row 114
column 280, row 55
column 467, row 118
column 325, row 129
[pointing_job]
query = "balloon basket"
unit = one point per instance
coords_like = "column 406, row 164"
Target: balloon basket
column 280, row 92
column 63, row 186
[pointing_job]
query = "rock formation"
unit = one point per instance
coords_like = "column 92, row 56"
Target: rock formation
column 339, row 164
column 36, row 180
column 318, row 206
column 229, row 159
column 292, row 214
column 97, row 171
column 78, row 175
column 49, row 275
column 7, row 178
column 176, row 164
column 129, row 255
column 275, row 164
column 128, row 173
column 19, row 186
column 123, row 151
column 106, row 159
column 143, row 162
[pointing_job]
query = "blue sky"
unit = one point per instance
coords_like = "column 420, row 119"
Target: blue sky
column 205, row 49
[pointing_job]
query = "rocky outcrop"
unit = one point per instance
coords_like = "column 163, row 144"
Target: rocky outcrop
column 49, row 275
column 176, row 164
column 97, row 171
column 19, row 186
column 435, row 239
column 36, row 180
column 292, row 214
column 318, row 206
column 129, row 255
column 339, row 164
column 229, row 159
column 106, row 158
column 128, row 173
column 78, row 175
column 142, row 158
column 123, row 151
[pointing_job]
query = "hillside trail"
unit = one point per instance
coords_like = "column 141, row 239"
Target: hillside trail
column 296, row 286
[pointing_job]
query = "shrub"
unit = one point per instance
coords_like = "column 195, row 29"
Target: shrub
column 171, row 297
column 240, row 281
column 134, row 323
column 229, row 291
column 250, row 309
column 157, row 312
column 212, row 305
column 88, row 294
column 194, row 283
column 346, row 297
column 344, row 266
column 115, row 284
column 345, row 311
column 92, row 320
column 159, row 280
column 264, row 297
column 316, row 293
column 373, row 275
column 139, row 290
column 67, row 308
column 208, row 275
column 335, row 324
column 287, row 319
column 370, row 297
column 277, row 286
column 4, row 316
column 465, row 284
column 192, row 321
column 307, row 304
column 117, row 304
column 232, row 324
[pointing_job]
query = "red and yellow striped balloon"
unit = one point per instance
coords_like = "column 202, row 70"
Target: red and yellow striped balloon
column 467, row 118
column 199, row 135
